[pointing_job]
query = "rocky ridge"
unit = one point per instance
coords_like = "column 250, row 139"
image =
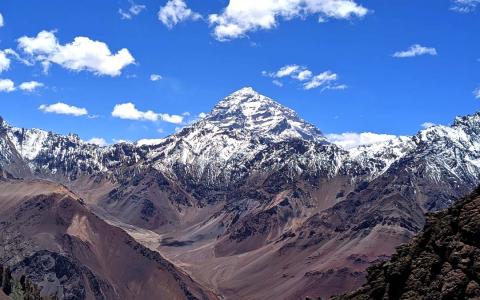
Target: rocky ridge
column 442, row 262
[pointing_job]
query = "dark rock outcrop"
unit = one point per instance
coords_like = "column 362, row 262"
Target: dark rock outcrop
column 443, row 262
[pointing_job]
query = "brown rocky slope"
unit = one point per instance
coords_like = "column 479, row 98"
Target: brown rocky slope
column 54, row 247
column 443, row 262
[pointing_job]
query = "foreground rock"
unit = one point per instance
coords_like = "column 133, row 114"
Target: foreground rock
column 443, row 262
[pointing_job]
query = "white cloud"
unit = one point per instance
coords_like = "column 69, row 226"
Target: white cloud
column 149, row 142
column 128, row 111
column 11, row 52
column 175, row 119
column 156, row 77
column 4, row 61
column 476, row 93
column 98, row 141
column 176, row 11
column 465, row 6
column 202, row 115
column 351, row 140
column 83, row 54
column 243, row 16
column 63, row 109
column 287, row 71
column 277, row 83
column 30, row 86
column 2, row 22
column 7, row 85
column 415, row 50
column 428, row 125
column 304, row 75
column 134, row 10
column 325, row 80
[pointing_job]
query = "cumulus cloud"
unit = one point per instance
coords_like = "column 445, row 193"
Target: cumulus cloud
column 83, row 54
column 30, row 86
column 325, row 80
column 7, row 85
column 134, row 10
column 415, row 50
column 304, row 75
column 176, row 11
column 128, row 111
column 351, row 140
column 98, row 141
column 287, row 71
column 465, row 6
column 2, row 23
column 243, row 16
column 63, row 109
column 156, row 77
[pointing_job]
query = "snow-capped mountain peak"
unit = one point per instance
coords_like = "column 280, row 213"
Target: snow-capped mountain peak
column 248, row 111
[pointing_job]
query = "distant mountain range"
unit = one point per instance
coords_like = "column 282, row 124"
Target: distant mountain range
column 250, row 202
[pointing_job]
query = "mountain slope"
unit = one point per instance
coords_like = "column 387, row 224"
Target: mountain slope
column 53, row 246
column 442, row 262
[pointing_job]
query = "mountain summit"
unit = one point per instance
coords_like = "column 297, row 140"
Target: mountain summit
column 248, row 111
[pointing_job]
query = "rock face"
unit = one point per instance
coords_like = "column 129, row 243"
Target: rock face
column 442, row 262
column 252, row 201
column 53, row 247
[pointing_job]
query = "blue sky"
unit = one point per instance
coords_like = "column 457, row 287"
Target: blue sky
column 361, row 69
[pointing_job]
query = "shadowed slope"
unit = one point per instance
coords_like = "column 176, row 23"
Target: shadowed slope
column 443, row 262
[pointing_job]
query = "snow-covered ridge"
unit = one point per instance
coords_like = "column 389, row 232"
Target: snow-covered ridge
column 247, row 132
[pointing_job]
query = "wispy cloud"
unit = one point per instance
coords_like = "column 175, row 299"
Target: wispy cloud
column 243, row 16
column 63, row 109
column 277, row 83
column 465, row 6
column 176, row 11
column 128, row 111
column 134, row 10
column 325, row 80
column 476, row 93
column 2, row 22
column 415, row 50
column 83, row 54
